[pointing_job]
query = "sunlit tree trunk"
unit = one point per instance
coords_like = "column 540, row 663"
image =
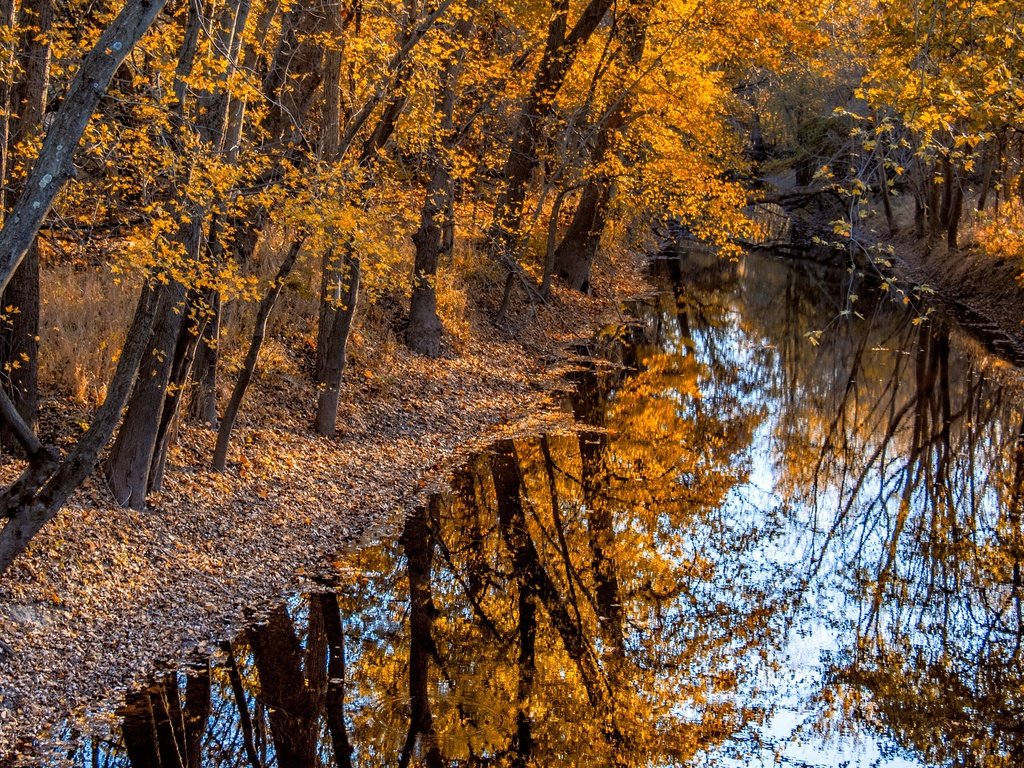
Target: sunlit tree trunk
column 560, row 51
column 575, row 254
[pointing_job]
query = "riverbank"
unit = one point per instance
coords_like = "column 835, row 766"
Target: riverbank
column 983, row 291
column 106, row 596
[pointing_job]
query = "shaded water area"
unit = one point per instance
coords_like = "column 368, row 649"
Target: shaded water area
column 756, row 550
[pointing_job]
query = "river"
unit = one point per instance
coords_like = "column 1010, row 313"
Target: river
column 787, row 531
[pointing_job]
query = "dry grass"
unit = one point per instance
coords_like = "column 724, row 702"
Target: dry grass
column 83, row 319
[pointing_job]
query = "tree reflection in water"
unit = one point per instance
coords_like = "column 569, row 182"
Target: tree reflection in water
column 622, row 596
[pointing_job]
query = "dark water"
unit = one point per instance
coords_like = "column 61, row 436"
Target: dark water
column 758, row 550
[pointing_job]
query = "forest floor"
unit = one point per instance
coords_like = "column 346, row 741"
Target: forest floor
column 107, row 596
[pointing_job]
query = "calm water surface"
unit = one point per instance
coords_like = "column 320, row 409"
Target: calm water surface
column 758, row 550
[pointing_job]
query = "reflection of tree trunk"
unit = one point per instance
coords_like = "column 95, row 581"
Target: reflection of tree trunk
column 523, row 741
column 294, row 700
column 418, row 542
column 930, row 425
column 512, row 520
column 327, row 604
column 160, row 730
column 242, row 706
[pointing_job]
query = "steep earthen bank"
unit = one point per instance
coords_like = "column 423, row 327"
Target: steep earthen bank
column 984, row 292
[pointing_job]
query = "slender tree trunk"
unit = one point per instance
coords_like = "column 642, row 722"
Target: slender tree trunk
column 336, row 356
column 8, row 13
column 338, row 316
column 955, row 212
column 220, row 454
column 204, row 397
column 190, row 334
column 575, row 255
column 934, row 217
column 991, row 158
column 886, row 194
column 552, row 243
column 423, row 335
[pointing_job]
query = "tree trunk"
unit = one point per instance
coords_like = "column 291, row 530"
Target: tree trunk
column 560, row 51
column 190, row 334
column 575, row 255
column 204, row 396
column 19, row 339
column 885, row 192
column 991, row 159
column 19, row 343
column 424, row 332
column 33, row 501
column 423, row 335
column 578, row 249
column 131, row 457
column 336, row 355
column 8, row 13
column 955, row 211
column 220, row 454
